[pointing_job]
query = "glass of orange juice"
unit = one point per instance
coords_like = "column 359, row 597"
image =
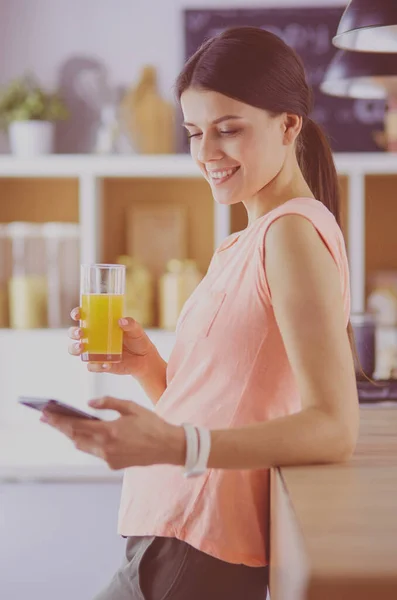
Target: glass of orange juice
column 102, row 289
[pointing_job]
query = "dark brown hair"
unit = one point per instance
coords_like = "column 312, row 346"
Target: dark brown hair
column 258, row 68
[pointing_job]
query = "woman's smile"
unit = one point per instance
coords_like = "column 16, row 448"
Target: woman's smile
column 220, row 176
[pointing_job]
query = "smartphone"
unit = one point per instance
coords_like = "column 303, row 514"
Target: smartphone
column 56, row 407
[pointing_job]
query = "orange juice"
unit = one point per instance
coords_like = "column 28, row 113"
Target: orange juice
column 102, row 335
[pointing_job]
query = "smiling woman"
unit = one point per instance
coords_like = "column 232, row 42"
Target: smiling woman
column 262, row 371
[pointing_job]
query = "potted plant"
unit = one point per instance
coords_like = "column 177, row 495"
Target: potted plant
column 29, row 112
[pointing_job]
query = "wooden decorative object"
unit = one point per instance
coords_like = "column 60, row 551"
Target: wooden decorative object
column 156, row 234
column 150, row 120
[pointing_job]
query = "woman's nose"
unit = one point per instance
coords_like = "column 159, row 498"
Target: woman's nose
column 208, row 150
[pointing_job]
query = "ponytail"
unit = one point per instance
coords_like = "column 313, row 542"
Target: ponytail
column 317, row 165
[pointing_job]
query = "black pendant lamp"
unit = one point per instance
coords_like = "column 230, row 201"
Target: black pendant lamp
column 368, row 26
column 366, row 75
column 361, row 75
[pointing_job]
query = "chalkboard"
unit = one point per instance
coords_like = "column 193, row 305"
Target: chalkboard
column 349, row 123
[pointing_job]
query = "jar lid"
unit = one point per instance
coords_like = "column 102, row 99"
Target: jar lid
column 55, row 229
column 175, row 265
column 365, row 318
column 24, row 229
column 189, row 263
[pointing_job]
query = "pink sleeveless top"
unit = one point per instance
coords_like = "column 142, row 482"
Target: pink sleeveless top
column 228, row 368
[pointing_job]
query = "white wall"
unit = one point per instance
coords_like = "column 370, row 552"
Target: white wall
column 123, row 34
column 40, row 34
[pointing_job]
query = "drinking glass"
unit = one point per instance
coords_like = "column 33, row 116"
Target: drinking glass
column 102, row 290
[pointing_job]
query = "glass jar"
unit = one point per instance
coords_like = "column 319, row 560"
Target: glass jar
column 27, row 288
column 4, row 276
column 62, row 245
column 139, row 291
column 364, row 329
column 175, row 286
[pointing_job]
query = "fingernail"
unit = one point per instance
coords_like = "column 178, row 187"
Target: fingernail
column 44, row 419
column 77, row 346
column 95, row 402
column 105, row 366
column 123, row 322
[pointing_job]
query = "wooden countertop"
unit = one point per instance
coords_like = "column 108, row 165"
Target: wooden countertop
column 334, row 527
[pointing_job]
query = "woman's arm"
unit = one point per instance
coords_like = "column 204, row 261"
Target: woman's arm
column 154, row 381
column 308, row 306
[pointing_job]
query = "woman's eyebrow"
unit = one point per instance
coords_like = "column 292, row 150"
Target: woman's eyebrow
column 219, row 120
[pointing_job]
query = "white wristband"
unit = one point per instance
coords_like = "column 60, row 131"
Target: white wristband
column 204, row 451
column 192, row 448
column 203, row 440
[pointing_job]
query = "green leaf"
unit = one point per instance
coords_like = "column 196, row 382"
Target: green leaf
column 24, row 100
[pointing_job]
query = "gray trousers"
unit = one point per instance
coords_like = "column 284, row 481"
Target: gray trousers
column 158, row 568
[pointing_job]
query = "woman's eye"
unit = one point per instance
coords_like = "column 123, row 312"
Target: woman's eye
column 225, row 132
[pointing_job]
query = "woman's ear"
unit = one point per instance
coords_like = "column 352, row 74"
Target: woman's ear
column 292, row 125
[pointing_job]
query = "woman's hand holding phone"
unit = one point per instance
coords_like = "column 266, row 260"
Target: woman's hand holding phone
column 138, row 437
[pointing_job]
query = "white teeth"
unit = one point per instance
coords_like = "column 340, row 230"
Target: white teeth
column 221, row 174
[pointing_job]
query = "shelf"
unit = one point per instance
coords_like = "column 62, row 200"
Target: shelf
column 75, row 165
column 175, row 165
column 376, row 163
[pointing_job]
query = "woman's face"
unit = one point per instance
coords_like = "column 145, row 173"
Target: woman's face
column 239, row 148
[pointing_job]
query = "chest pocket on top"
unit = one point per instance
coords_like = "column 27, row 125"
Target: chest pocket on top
column 201, row 315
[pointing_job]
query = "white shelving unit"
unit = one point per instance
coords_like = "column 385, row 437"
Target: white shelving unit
column 36, row 362
column 91, row 170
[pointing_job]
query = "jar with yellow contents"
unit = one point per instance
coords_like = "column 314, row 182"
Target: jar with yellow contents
column 175, row 286
column 27, row 287
column 139, row 291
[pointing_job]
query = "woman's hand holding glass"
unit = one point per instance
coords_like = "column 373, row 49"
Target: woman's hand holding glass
column 137, row 352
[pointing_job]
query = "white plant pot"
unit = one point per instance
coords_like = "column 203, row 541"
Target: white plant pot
column 31, row 138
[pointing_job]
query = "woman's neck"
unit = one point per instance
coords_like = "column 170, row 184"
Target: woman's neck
column 289, row 183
